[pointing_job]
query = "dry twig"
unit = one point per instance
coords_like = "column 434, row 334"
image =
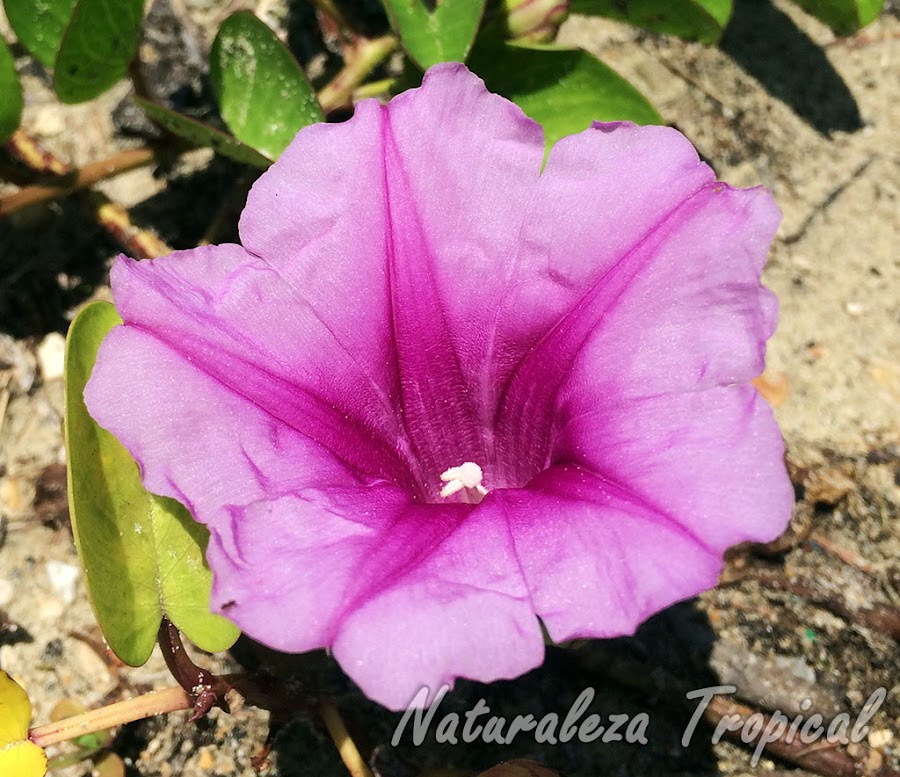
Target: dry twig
column 87, row 176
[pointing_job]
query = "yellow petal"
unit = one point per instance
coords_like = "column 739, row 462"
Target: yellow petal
column 23, row 759
column 15, row 712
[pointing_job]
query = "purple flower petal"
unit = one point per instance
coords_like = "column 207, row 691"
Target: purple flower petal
column 392, row 225
column 460, row 610
column 597, row 560
column 401, row 590
column 413, row 295
column 641, row 504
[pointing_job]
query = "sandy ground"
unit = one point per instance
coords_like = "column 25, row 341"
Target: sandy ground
column 834, row 267
column 782, row 103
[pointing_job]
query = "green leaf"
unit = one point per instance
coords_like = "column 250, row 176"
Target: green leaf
column 202, row 135
column 701, row 20
column 98, row 46
column 843, row 16
column 263, row 93
column 562, row 89
column 11, row 104
column 444, row 34
column 869, row 11
column 143, row 554
column 40, row 26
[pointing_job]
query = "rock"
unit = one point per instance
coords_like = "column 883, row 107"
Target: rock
column 15, row 357
column 880, row 738
column 774, row 385
column 828, row 485
column 773, row 682
column 50, row 610
column 51, row 356
column 64, row 578
column 91, row 669
column 6, row 591
column 14, row 498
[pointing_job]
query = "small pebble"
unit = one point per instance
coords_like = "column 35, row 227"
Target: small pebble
column 206, row 761
column 797, row 667
column 48, row 122
column 6, row 592
column 51, row 356
column 16, row 357
column 12, row 495
column 774, row 385
column 874, row 761
column 855, row 309
column 828, row 485
column 880, row 739
column 64, row 578
column 90, row 669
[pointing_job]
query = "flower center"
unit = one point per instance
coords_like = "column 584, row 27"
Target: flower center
column 467, row 478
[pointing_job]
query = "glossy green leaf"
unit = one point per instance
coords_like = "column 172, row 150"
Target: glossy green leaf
column 562, row 89
column 843, row 16
column 263, row 93
column 143, row 554
column 11, row 89
column 202, row 135
column 40, row 26
column 869, row 11
column 701, row 20
column 444, row 34
column 97, row 47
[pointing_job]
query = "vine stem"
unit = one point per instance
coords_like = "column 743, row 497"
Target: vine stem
column 84, row 177
column 374, row 89
column 138, row 243
column 366, row 56
column 331, row 10
column 349, row 753
column 145, row 706
column 33, row 156
column 112, row 217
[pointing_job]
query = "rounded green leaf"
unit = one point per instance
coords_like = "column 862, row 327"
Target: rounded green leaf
column 143, row 554
column 11, row 104
column 868, row 11
column 435, row 32
column 97, row 47
column 40, row 26
column 843, row 16
column 701, row 20
column 562, row 89
column 263, row 93
column 202, row 135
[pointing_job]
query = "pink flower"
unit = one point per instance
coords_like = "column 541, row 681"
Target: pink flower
column 414, row 295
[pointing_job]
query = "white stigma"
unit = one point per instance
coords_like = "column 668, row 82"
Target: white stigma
column 466, row 475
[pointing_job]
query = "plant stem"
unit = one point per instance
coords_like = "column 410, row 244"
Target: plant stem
column 138, row 708
column 28, row 151
column 138, row 243
column 202, row 686
column 91, row 173
column 374, row 88
column 367, row 55
column 330, row 9
column 333, row 721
